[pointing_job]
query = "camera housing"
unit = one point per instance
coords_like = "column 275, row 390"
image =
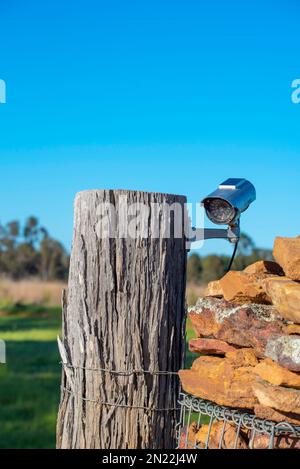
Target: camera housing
column 225, row 205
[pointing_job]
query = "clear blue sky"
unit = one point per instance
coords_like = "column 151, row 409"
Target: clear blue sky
column 171, row 96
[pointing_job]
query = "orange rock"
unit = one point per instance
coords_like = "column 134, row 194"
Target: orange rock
column 249, row 325
column 242, row 357
column 292, row 329
column 218, row 380
column 268, row 413
column 240, row 287
column 285, row 296
column 261, row 441
column 211, row 364
column 210, row 346
column 202, row 316
column 287, row 253
column 214, row 289
column 277, row 397
column 264, row 267
column 188, row 437
column 272, row 372
column 220, row 438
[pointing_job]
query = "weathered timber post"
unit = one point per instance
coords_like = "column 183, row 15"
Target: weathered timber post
column 123, row 322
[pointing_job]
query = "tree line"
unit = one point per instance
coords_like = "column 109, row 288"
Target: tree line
column 203, row 269
column 29, row 251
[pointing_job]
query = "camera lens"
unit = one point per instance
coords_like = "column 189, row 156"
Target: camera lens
column 219, row 211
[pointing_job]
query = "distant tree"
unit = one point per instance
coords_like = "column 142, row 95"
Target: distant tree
column 54, row 260
column 213, row 267
column 33, row 233
column 13, row 229
column 27, row 261
column 248, row 253
column 194, row 268
column 8, row 243
column 30, row 251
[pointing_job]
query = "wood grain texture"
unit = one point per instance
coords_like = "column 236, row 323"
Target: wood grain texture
column 124, row 309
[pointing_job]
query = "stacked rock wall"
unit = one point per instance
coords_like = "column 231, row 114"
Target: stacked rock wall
column 248, row 338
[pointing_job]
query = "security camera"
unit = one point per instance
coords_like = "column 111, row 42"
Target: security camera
column 225, row 205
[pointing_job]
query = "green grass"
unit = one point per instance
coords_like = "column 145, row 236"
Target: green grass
column 189, row 356
column 29, row 382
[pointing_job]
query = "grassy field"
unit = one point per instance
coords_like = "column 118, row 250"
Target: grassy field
column 190, row 334
column 29, row 292
column 29, row 382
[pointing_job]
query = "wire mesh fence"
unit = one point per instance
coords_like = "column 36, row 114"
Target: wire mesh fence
column 206, row 425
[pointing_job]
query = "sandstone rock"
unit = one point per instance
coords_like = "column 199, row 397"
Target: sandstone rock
column 203, row 316
column 268, row 413
column 214, row 289
column 211, row 366
column 219, row 438
column 264, row 267
column 261, row 441
column 292, row 329
column 285, row 296
column 240, row 287
column 216, row 379
column 287, row 253
column 272, row 372
column 242, row 357
column 285, row 350
column 277, row 397
column 188, row 437
column 210, row 346
column 249, row 325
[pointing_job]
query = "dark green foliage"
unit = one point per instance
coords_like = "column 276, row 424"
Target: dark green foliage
column 194, row 268
column 54, row 261
column 29, row 251
column 212, row 267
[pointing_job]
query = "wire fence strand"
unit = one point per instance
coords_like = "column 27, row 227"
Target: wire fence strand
column 120, row 372
column 118, row 403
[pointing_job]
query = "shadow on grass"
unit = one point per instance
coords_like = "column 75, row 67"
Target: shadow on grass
column 190, row 357
column 23, row 318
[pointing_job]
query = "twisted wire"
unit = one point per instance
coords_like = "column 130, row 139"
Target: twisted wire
column 117, row 403
column 120, row 372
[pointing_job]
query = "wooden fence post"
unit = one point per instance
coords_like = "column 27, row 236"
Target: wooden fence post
column 123, row 323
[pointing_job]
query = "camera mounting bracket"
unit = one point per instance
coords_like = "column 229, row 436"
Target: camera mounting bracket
column 232, row 234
